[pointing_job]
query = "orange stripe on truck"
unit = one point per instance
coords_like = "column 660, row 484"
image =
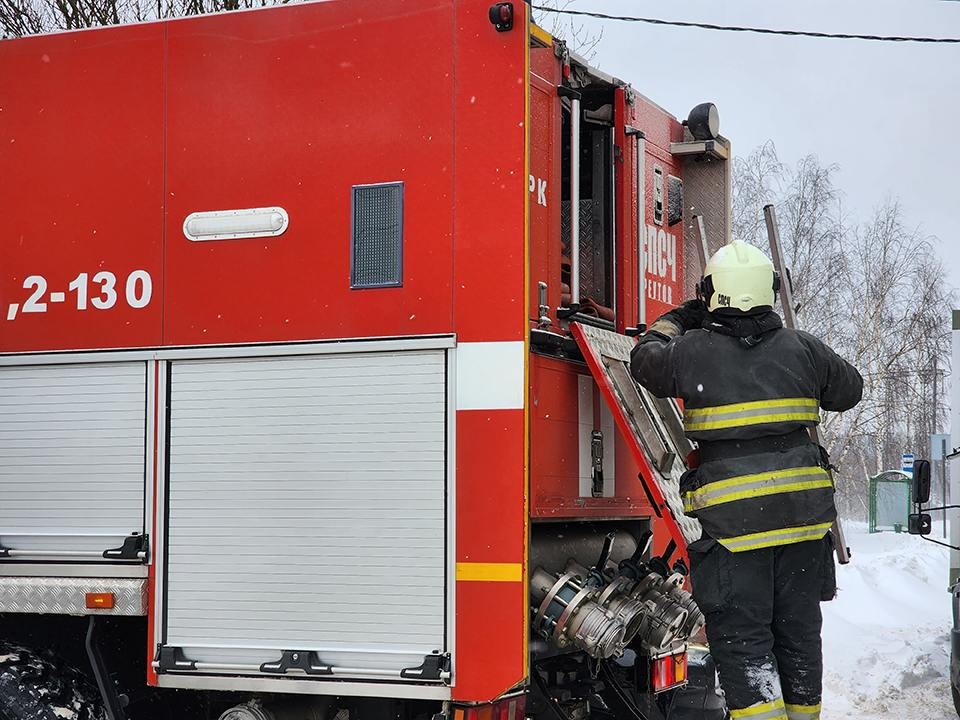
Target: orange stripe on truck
column 490, row 572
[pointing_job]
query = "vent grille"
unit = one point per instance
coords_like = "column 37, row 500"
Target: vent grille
column 376, row 255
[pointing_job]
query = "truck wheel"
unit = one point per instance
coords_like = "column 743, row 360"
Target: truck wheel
column 956, row 698
column 35, row 688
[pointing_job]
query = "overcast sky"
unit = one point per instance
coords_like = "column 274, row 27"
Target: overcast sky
column 887, row 113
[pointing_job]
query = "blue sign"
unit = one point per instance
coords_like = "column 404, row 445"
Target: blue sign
column 906, row 463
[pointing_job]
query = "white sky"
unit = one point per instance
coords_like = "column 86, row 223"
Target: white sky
column 887, row 113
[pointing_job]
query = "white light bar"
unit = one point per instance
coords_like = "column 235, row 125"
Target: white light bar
column 236, row 224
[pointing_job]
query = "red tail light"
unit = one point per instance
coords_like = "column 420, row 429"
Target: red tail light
column 668, row 672
column 501, row 15
column 512, row 708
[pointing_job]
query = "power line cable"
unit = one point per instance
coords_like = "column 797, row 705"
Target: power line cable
column 737, row 28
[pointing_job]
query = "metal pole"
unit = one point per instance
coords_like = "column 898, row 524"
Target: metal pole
column 933, row 431
column 575, row 201
column 786, row 291
column 642, row 228
column 943, row 476
column 790, row 320
column 639, row 168
column 703, row 248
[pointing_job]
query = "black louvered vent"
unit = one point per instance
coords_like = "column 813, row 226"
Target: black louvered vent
column 376, row 254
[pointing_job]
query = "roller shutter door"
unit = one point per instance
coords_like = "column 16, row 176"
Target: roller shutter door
column 72, row 458
column 307, row 510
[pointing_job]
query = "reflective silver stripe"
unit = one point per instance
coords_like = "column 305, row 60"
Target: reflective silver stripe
column 789, row 480
column 803, row 712
column 742, row 407
column 767, row 711
column 736, row 415
column 784, row 536
column 776, row 713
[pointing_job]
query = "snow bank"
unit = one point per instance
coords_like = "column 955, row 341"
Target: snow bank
column 886, row 640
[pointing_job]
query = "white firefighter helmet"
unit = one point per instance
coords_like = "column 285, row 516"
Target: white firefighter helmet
column 739, row 276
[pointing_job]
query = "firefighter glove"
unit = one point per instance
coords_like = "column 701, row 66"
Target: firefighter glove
column 688, row 316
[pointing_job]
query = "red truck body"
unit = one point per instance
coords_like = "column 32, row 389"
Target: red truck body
column 110, row 141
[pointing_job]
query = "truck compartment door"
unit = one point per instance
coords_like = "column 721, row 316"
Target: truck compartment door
column 72, row 461
column 651, row 426
column 307, row 527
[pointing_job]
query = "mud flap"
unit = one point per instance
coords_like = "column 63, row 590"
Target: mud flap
column 652, row 427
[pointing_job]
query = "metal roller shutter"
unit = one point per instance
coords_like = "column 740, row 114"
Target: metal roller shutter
column 307, row 510
column 72, row 458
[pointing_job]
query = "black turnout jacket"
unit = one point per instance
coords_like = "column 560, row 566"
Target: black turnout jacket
column 750, row 389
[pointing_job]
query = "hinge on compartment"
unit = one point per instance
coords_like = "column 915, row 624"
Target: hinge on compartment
column 297, row 660
column 4, row 552
column 434, row 667
column 170, row 659
column 135, row 546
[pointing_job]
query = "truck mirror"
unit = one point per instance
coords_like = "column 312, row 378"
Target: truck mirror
column 919, row 524
column 921, row 482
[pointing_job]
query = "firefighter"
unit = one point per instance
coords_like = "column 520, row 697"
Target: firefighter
column 762, row 490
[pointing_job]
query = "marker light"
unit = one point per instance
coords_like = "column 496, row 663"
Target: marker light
column 236, row 224
column 501, row 15
column 99, row 600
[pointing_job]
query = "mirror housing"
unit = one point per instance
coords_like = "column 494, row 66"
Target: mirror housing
column 919, row 524
column 921, row 482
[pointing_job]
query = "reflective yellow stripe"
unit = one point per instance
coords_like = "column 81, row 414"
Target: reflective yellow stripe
column 764, row 711
column 769, row 490
column 803, row 712
column 772, row 538
column 756, row 405
column 752, row 413
column 757, row 485
column 490, row 572
column 542, row 35
column 739, row 480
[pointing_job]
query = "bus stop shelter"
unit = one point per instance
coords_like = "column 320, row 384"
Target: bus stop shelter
column 889, row 501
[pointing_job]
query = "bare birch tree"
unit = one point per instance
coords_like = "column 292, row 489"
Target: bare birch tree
column 578, row 37
column 876, row 292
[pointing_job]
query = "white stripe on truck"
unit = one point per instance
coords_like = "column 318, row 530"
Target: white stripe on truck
column 489, row 375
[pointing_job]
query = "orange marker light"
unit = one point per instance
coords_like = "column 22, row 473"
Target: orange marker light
column 680, row 669
column 100, row 601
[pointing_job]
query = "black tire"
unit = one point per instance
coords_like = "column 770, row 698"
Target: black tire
column 956, row 698
column 33, row 687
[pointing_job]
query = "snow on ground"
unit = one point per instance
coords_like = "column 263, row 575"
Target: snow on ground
column 886, row 638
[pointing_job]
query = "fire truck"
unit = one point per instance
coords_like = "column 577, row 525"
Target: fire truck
column 314, row 394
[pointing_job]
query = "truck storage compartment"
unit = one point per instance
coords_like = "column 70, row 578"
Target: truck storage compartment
column 73, row 447
column 307, row 523
column 652, row 427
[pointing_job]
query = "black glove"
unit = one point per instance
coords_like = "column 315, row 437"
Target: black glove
column 688, row 316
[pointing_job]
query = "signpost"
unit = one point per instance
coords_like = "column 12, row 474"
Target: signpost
column 939, row 449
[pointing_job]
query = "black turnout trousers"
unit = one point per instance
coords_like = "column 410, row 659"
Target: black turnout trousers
column 763, row 618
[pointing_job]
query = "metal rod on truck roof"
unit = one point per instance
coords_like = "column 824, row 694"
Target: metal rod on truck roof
column 786, row 287
column 790, row 320
column 641, row 229
column 639, row 167
column 575, row 201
